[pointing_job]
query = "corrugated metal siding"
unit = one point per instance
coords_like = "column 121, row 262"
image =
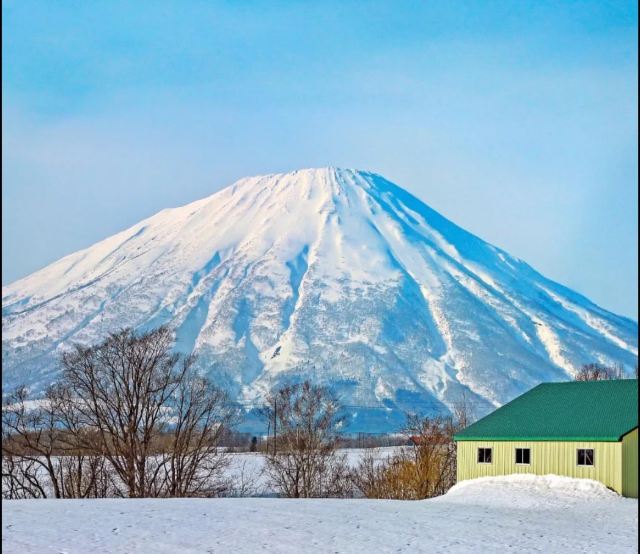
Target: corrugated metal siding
column 630, row 464
column 546, row 457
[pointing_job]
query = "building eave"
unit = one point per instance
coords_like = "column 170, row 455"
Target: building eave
column 539, row 439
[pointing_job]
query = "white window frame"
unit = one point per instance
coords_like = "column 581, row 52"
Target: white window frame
column 490, row 449
column 593, row 457
column 515, row 454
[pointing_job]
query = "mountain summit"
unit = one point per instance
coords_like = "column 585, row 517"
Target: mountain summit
column 332, row 274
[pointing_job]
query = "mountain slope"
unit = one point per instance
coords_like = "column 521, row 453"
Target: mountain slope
column 336, row 274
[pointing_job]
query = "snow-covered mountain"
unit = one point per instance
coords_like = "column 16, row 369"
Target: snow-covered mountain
column 337, row 275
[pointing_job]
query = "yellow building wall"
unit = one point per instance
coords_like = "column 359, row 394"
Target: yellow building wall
column 630, row 464
column 559, row 458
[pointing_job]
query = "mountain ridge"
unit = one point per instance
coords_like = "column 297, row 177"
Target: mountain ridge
column 334, row 274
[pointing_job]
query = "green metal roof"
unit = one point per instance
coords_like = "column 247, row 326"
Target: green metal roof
column 573, row 411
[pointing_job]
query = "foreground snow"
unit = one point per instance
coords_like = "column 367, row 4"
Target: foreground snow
column 522, row 514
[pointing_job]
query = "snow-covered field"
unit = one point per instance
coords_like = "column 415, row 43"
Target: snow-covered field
column 247, row 470
column 518, row 513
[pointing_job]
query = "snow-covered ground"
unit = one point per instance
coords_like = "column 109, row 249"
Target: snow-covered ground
column 517, row 513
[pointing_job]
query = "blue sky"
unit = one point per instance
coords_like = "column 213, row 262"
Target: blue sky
column 517, row 120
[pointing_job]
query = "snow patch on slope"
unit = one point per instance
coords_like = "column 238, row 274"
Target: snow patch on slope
column 331, row 274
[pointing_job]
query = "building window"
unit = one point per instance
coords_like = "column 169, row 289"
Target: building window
column 484, row 455
column 585, row 456
column 523, row 456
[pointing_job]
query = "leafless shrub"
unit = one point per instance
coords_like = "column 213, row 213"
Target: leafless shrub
column 244, row 482
column 425, row 469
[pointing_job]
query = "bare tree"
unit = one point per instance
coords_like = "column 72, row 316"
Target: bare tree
column 39, row 455
column 303, row 461
column 129, row 417
column 463, row 413
column 600, row 372
column 141, row 406
column 192, row 464
column 29, row 435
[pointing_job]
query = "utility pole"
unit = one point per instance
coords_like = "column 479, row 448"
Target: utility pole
column 275, row 424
